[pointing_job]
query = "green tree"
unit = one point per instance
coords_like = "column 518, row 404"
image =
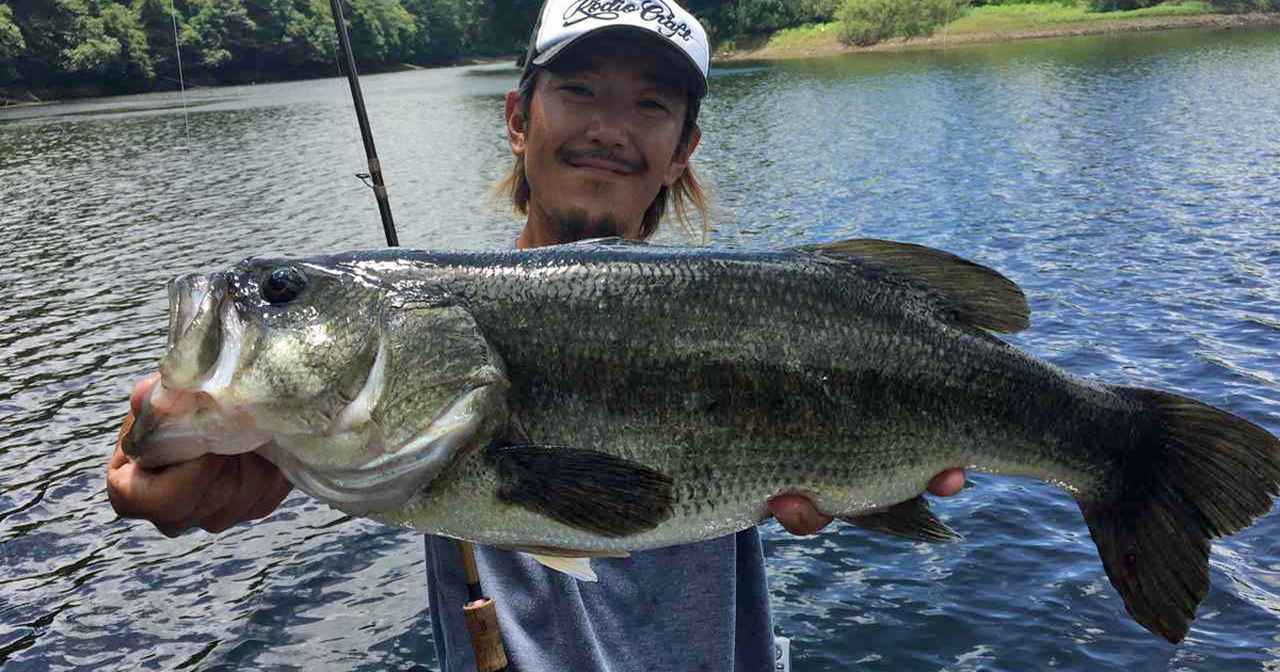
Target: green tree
column 214, row 30
column 157, row 23
column 381, row 31
column 109, row 42
column 864, row 22
column 11, row 44
column 503, row 26
column 48, row 28
column 289, row 35
column 117, row 45
column 727, row 19
column 445, row 29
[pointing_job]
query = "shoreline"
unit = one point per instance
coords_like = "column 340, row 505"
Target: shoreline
column 941, row 39
column 825, row 45
column 17, row 98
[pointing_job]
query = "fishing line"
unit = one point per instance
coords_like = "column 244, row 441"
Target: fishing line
column 182, row 84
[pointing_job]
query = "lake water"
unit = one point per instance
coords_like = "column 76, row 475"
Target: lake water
column 1130, row 184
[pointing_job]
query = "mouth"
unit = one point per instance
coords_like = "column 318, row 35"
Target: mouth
column 603, row 163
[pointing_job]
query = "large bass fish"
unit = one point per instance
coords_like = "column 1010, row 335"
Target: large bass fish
column 603, row 397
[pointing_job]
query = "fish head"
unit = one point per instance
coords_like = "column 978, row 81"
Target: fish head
column 358, row 395
column 269, row 349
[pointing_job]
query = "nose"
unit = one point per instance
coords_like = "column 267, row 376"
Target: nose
column 608, row 126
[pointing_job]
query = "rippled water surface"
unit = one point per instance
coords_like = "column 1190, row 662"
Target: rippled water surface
column 1130, row 185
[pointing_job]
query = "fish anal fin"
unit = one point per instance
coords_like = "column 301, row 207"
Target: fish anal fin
column 979, row 296
column 565, row 552
column 585, row 489
column 911, row 519
column 610, row 241
column 578, row 568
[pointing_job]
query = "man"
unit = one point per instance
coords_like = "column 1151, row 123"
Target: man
column 602, row 129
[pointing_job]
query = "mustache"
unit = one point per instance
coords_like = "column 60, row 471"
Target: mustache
column 601, row 154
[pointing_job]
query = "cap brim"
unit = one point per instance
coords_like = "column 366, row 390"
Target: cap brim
column 696, row 78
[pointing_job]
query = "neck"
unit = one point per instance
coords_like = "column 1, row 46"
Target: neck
column 536, row 232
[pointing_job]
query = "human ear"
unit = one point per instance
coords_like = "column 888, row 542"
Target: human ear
column 680, row 161
column 516, row 124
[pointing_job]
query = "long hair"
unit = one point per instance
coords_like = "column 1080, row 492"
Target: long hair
column 686, row 194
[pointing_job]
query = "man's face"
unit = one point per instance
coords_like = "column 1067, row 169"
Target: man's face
column 602, row 138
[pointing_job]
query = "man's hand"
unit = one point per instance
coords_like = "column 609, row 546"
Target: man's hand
column 797, row 515
column 212, row 492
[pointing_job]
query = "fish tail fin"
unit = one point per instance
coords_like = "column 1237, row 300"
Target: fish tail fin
column 1191, row 473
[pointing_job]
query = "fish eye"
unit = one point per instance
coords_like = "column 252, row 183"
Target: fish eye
column 283, row 285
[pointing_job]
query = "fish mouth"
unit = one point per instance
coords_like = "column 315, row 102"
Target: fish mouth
column 187, row 296
column 181, row 419
column 206, row 334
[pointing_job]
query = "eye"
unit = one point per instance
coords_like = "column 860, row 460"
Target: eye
column 576, row 89
column 283, row 285
column 653, row 105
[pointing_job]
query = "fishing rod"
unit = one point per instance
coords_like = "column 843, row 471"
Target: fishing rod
column 375, row 168
column 480, row 613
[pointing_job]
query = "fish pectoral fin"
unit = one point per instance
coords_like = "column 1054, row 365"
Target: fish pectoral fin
column 978, row 296
column 585, row 489
column 578, row 568
column 911, row 519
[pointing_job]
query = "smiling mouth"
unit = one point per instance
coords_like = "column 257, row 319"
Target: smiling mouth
column 600, row 161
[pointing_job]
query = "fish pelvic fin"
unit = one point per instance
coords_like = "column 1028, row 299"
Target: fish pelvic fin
column 586, row 489
column 1194, row 473
column 911, row 519
column 977, row 295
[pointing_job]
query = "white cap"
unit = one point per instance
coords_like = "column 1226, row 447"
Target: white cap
column 563, row 22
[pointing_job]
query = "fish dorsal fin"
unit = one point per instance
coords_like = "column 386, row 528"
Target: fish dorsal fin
column 980, row 296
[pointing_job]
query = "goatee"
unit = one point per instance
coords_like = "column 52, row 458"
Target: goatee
column 574, row 225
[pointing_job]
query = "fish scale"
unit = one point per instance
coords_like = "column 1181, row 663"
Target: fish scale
column 561, row 367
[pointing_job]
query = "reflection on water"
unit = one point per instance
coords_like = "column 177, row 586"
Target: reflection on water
column 1128, row 184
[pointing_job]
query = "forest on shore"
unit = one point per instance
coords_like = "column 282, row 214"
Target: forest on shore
column 87, row 47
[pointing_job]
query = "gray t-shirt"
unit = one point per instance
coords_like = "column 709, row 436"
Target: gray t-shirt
column 702, row 606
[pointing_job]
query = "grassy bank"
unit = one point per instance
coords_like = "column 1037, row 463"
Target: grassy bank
column 1013, row 18
column 994, row 23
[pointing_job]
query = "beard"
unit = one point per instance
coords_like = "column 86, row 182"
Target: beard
column 575, row 225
